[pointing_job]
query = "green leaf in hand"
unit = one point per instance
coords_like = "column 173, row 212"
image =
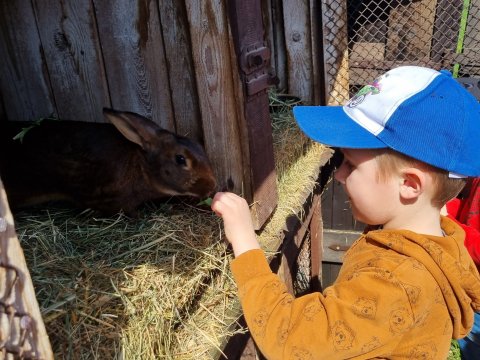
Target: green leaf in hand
column 207, row 201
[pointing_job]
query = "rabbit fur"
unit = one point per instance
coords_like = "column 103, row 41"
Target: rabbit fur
column 105, row 167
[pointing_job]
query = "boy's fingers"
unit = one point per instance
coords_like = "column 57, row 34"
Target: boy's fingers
column 226, row 201
column 218, row 203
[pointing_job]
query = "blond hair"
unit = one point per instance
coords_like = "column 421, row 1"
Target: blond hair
column 445, row 188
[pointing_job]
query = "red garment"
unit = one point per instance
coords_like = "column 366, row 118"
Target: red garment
column 467, row 213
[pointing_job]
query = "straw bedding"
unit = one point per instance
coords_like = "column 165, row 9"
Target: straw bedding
column 158, row 287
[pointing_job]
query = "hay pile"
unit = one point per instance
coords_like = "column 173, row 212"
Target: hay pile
column 158, row 287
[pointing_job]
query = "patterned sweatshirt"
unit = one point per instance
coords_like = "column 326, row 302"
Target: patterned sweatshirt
column 399, row 295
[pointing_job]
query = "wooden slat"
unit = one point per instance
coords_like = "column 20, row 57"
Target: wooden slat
column 262, row 178
column 318, row 94
column 25, row 87
column 299, row 49
column 181, row 74
column 330, row 273
column 337, row 213
column 293, row 242
column 22, row 296
column 335, row 51
column 72, row 54
column 336, row 243
column 132, row 44
column 214, row 71
column 316, row 244
column 343, row 217
column 273, row 20
column 336, row 210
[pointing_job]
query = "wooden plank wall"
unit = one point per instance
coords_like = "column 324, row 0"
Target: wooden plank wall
column 70, row 58
column 81, row 56
column 172, row 61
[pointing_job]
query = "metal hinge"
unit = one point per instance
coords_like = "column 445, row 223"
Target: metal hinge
column 254, row 57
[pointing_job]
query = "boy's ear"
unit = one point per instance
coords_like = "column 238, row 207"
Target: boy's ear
column 412, row 183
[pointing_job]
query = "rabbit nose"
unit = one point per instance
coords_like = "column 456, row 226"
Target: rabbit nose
column 205, row 186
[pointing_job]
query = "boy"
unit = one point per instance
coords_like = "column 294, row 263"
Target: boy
column 407, row 285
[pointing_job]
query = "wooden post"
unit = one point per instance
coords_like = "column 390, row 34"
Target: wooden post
column 299, row 49
column 17, row 295
column 252, row 57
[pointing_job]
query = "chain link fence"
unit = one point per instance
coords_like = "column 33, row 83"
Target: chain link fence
column 367, row 37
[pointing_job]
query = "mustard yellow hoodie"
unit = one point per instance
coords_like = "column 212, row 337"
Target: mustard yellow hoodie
column 399, row 295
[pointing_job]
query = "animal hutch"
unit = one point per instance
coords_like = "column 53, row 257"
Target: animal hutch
column 201, row 69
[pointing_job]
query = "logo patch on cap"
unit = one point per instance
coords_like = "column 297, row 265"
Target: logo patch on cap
column 370, row 89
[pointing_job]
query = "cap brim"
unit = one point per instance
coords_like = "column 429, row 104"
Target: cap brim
column 330, row 125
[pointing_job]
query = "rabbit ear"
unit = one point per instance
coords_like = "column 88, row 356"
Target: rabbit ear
column 134, row 127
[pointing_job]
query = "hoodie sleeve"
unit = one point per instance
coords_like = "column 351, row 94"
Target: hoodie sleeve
column 336, row 324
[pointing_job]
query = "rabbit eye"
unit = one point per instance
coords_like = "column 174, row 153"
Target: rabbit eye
column 180, row 159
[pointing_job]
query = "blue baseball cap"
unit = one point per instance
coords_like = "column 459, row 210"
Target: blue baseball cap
column 417, row 111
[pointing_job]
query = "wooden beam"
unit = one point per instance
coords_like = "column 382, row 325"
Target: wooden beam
column 18, row 298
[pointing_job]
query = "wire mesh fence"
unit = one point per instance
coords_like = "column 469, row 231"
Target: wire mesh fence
column 364, row 38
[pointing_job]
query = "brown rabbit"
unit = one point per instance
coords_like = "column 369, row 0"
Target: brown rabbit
column 100, row 166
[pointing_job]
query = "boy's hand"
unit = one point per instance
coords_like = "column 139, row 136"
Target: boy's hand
column 237, row 221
